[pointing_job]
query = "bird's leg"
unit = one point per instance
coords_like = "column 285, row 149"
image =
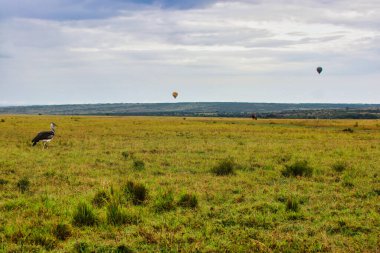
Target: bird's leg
column 44, row 145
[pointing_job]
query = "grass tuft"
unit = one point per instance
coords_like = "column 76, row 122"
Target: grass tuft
column 62, row 231
column 164, row 202
column 125, row 154
column 136, row 192
column 101, row 198
column 292, row 204
column 225, row 167
column 347, row 181
column 3, row 181
column 138, row 165
column 84, row 215
column 348, row 130
column 42, row 239
column 340, row 166
column 188, row 201
column 115, row 215
column 23, row 185
column 81, row 247
column 299, row 168
column 123, row 249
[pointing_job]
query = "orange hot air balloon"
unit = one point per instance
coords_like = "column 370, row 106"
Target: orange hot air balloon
column 175, row 94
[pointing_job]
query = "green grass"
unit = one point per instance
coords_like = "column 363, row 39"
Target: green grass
column 188, row 200
column 299, row 168
column 101, row 198
column 135, row 192
column 85, row 193
column 225, row 167
column 84, row 215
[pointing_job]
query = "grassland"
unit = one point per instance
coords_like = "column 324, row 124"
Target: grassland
column 78, row 195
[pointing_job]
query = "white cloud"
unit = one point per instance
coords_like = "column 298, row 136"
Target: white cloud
column 272, row 41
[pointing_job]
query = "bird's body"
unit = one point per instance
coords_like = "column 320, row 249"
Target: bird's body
column 45, row 136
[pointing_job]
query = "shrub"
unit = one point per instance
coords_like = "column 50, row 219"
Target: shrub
column 299, row 168
column 225, row 167
column 164, row 202
column 348, row 130
column 2, row 120
column 136, row 192
column 84, row 215
column 339, row 166
column 292, row 204
column 188, row 201
column 62, row 231
column 101, row 198
column 138, row 165
column 23, row 185
column 115, row 215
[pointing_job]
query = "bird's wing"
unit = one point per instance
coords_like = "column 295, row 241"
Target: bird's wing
column 43, row 136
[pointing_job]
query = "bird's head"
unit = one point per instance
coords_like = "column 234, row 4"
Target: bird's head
column 52, row 125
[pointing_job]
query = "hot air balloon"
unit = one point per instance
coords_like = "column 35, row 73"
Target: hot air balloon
column 319, row 70
column 175, row 94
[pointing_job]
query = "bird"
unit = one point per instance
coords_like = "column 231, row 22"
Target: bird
column 45, row 136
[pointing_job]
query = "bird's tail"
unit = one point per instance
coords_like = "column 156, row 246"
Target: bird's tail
column 34, row 143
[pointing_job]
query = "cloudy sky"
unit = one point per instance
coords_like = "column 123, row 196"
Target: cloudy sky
column 98, row 51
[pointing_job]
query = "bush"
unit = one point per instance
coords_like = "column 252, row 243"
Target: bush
column 188, row 201
column 84, row 215
column 225, row 167
column 101, row 198
column 62, row 231
column 339, row 166
column 23, row 185
column 164, row 202
column 299, row 168
column 136, row 192
column 348, row 130
column 115, row 215
column 292, row 204
column 138, row 165
column 2, row 120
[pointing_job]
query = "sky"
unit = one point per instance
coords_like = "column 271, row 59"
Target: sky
column 130, row 51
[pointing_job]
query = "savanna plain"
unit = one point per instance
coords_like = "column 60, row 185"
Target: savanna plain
column 173, row 184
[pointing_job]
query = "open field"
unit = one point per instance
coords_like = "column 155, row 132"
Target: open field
column 332, row 206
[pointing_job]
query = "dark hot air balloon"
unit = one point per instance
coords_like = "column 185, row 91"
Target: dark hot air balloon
column 175, row 94
column 319, row 70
